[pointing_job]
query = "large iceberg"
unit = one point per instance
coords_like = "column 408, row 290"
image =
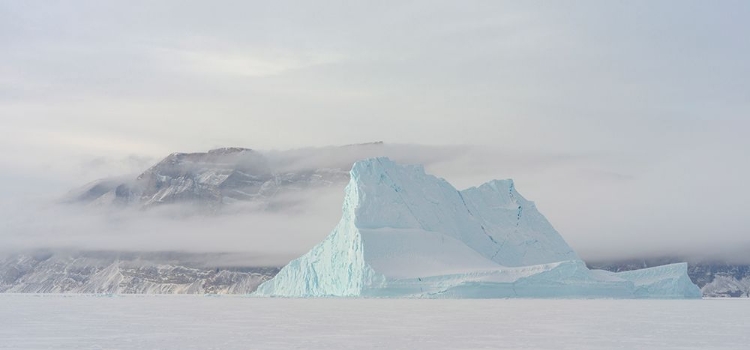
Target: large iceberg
column 404, row 233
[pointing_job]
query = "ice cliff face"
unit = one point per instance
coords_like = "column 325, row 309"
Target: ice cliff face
column 492, row 219
column 404, row 233
column 716, row 279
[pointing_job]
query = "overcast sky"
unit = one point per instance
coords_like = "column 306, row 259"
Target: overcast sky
column 624, row 120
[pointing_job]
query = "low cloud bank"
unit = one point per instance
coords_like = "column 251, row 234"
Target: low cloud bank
column 607, row 207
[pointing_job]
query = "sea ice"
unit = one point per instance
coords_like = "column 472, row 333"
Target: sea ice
column 231, row 322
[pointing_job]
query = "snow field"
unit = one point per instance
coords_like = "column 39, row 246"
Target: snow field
column 194, row 322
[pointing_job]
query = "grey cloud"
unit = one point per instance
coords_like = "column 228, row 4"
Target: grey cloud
column 270, row 237
column 104, row 166
column 624, row 121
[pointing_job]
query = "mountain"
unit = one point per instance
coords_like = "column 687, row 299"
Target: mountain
column 126, row 273
column 404, row 233
column 209, row 181
column 221, row 181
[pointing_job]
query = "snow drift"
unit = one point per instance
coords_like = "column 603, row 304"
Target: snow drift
column 404, row 233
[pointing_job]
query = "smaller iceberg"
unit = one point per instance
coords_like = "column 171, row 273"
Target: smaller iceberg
column 406, row 234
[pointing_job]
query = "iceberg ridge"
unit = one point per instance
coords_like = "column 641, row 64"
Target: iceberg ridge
column 404, row 233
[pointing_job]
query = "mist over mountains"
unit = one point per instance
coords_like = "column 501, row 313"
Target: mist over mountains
column 269, row 204
column 244, row 200
column 239, row 208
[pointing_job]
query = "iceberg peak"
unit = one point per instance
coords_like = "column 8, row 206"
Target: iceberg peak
column 501, row 185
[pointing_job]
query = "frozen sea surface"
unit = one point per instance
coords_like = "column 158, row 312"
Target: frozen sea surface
column 195, row 322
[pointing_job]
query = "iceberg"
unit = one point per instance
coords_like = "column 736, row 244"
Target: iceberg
column 407, row 234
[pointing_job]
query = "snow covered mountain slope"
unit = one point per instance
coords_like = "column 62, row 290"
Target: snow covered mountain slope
column 727, row 286
column 208, row 180
column 404, row 233
column 124, row 273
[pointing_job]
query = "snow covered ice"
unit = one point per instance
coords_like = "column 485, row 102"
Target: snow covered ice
column 404, row 233
column 231, row 322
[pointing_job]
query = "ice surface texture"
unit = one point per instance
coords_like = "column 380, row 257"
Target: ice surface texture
column 404, row 233
column 137, row 322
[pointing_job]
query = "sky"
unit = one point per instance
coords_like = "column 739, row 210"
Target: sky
column 625, row 121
